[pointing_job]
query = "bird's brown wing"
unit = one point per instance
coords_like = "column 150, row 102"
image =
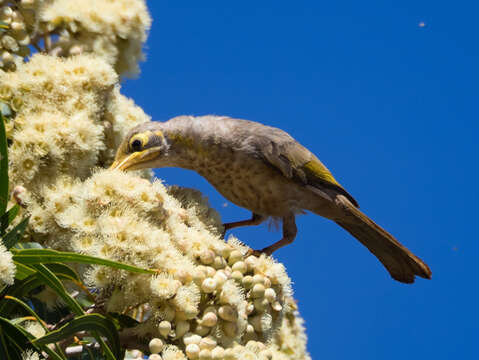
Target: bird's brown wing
column 297, row 162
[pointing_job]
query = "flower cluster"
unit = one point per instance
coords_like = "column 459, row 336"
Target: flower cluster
column 66, row 118
column 70, row 117
column 113, row 30
column 209, row 300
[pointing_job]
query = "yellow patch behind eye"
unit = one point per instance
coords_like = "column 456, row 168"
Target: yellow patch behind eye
column 143, row 137
column 159, row 133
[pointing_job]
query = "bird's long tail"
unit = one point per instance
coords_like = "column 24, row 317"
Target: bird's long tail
column 401, row 263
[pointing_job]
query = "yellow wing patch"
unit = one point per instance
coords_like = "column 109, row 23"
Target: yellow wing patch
column 315, row 170
column 318, row 170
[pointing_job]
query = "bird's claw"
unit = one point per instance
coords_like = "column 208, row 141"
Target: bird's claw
column 256, row 253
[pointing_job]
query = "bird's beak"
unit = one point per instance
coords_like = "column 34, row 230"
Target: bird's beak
column 126, row 162
column 135, row 161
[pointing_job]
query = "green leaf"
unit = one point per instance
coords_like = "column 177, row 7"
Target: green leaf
column 7, row 218
column 49, row 278
column 16, row 338
column 14, row 235
column 56, row 285
column 20, row 288
column 63, row 271
column 23, row 271
column 28, row 309
column 24, row 285
column 35, row 256
column 88, row 322
column 4, row 353
column 3, row 167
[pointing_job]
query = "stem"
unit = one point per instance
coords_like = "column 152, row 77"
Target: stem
column 48, row 42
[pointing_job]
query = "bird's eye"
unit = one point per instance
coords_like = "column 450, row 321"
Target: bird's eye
column 136, row 145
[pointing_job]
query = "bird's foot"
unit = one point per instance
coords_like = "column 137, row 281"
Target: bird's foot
column 257, row 253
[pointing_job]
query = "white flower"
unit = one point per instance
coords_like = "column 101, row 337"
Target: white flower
column 7, row 267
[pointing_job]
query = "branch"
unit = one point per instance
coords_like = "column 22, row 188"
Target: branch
column 128, row 340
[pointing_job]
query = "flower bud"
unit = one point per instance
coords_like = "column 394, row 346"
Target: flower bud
column 210, row 271
column 208, row 343
column 235, row 256
column 258, row 279
column 228, row 313
column 164, row 328
column 190, row 338
column 208, row 285
column 251, row 262
column 7, row 57
column 219, row 262
column 202, row 330
column 9, row 43
column 17, row 26
column 209, row 319
column 199, row 274
column 236, row 275
column 247, row 281
column 270, row 295
column 220, row 278
column 276, row 306
column 218, row 353
column 155, row 345
column 192, row 351
column 239, row 266
column 207, row 257
column 205, row 354
column 257, row 291
column 182, row 328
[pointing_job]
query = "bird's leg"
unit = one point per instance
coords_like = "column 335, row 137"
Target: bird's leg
column 289, row 233
column 255, row 220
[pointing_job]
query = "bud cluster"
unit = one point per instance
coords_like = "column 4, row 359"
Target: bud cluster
column 16, row 26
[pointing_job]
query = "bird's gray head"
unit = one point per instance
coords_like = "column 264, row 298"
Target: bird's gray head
column 142, row 148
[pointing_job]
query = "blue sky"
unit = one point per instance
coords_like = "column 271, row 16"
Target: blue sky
column 390, row 107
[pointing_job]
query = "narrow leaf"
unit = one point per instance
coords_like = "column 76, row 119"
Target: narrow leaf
column 23, row 271
column 4, row 354
column 7, row 218
column 22, row 339
column 16, row 335
column 34, row 256
column 14, row 235
column 3, row 167
column 28, row 309
column 88, row 322
column 64, row 271
column 56, row 285
column 35, row 315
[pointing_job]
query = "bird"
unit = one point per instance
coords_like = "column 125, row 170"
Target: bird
column 265, row 170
